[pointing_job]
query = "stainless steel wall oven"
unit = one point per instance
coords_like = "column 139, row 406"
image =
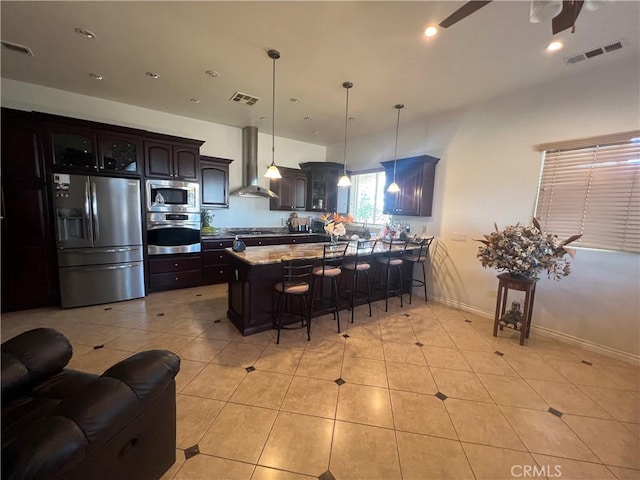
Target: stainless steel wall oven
column 169, row 233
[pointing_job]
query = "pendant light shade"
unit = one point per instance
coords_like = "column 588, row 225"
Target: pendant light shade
column 344, row 180
column 272, row 171
column 394, row 188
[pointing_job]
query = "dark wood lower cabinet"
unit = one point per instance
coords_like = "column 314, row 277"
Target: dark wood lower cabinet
column 252, row 299
column 169, row 272
column 215, row 261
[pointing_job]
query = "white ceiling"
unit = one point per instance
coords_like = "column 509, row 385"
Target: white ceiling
column 379, row 46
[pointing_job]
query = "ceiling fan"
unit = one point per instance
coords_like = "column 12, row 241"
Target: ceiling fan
column 563, row 13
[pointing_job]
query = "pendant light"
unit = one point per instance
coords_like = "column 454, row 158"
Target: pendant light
column 394, row 188
column 344, row 179
column 272, row 171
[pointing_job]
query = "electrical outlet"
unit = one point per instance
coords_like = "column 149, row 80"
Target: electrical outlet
column 459, row 237
column 424, row 228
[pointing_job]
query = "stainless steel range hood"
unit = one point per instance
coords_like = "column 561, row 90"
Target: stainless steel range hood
column 250, row 187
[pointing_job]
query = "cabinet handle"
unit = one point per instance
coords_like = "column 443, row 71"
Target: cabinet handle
column 221, row 271
column 177, row 279
column 175, row 264
column 294, row 240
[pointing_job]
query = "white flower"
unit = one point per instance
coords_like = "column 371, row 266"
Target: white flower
column 526, row 251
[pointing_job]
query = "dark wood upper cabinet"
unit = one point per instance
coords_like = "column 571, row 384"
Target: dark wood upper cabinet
column 80, row 149
column 291, row 190
column 72, row 148
column 186, row 160
column 214, row 180
column 158, row 159
column 168, row 160
column 119, row 153
column 322, row 191
column 415, row 176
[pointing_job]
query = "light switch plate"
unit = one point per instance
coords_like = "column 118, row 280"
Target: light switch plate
column 459, row 237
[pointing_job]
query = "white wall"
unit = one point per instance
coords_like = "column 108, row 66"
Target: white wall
column 220, row 141
column 489, row 172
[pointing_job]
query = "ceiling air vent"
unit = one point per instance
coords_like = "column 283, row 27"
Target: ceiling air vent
column 595, row 52
column 244, row 98
column 18, row 48
column 612, row 47
column 575, row 59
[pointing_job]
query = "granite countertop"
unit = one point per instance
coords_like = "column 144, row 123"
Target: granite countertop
column 270, row 254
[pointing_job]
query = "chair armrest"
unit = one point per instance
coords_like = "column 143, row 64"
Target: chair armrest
column 146, row 373
column 30, row 357
column 84, row 422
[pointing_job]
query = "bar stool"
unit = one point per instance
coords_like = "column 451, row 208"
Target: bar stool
column 417, row 253
column 392, row 261
column 296, row 281
column 331, row 269
column 361, row 264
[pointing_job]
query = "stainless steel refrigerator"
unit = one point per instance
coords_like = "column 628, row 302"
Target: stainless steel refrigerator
column 99, row 239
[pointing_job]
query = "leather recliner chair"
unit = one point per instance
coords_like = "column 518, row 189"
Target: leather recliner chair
column 59, row 423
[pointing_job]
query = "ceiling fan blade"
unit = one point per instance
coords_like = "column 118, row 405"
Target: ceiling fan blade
column 464, row 11
column 567, row 17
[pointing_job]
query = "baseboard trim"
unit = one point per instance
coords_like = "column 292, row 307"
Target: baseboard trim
column 547, row 332
column 588, row 345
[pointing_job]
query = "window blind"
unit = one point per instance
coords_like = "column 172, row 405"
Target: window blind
column 594, row 191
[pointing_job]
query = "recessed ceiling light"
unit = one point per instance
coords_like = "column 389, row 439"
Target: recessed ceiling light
column 554, row 46
column 194, row 100
column 263, row 119
column 153, row 75
column 294, row 99
column 96, row 76
column 352, row 118
column 316, row 132
column 307, row 118
column 85, row 33
column 212, row 73
column 430, row 31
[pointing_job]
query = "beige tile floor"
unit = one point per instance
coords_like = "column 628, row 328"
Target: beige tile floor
column 428, row 393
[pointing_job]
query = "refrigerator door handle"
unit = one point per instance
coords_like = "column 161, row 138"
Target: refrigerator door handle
column 87, row 213
column 107, row 267
column 96, row 220
column 97, row 250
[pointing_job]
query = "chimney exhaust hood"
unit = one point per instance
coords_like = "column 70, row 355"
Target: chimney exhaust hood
column 250, row 187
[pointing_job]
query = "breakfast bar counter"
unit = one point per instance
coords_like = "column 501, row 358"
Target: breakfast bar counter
column 254, row 272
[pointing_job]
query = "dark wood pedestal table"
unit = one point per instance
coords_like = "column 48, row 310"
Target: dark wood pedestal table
column 527, row 285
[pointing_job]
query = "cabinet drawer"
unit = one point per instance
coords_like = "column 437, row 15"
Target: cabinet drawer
column 216, row 244
column 170, row 281
column 166, row 265
column 261, row 241
column 215, row 274
column 215, row 257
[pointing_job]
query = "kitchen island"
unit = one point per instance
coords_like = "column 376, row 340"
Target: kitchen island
column 254, row 272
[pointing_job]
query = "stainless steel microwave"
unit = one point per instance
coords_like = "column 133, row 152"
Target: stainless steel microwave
column 172, row 196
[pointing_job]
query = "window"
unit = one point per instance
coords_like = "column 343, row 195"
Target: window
column 367, row 198
column 592, row 187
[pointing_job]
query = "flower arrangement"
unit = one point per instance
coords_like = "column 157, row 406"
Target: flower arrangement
column 334, row 224
column 526, row 251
